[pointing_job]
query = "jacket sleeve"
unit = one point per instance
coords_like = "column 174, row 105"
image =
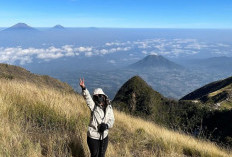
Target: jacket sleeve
column 110, row 122
column 88, row 99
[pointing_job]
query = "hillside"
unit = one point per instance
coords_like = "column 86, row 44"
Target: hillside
column 217, row 94
column 155, row 61
column 40, row 121
column 137, row 97
column 12, row 72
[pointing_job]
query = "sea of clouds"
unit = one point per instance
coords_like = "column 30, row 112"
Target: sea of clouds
column 166, row 47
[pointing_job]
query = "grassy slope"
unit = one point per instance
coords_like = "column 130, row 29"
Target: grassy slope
column 17, row 73
column 207, row 89
column 226, row 101
column 39, row 120
column 216, row 92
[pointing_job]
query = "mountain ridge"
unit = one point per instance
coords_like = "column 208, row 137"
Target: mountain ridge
column 138, row 95
column 12, row 72
column 215, row 93
column 155, row 61
column 137, row 98
column 208, row 88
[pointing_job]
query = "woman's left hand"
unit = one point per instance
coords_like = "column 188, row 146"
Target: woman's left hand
column 82, row 83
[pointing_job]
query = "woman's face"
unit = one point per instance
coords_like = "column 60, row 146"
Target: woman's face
column 99, row 98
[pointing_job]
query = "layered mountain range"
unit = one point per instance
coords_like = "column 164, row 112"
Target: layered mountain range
column 199, row 118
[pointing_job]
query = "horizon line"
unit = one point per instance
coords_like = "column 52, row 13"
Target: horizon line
column 112, row 27
column 70, row 27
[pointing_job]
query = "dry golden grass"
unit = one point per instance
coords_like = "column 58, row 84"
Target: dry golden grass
column 169, row 141
column 39, row 121
column 12, row 72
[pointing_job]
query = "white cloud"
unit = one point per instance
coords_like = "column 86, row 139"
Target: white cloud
column 117, row 43
column 83, row 49
column 48, row 56
column 103, row 51
column 111, row 44
column 25, row 55
column 112, row 61
column 177, row 47
column 144, row 46
column 26, row 59
column 165, row 52
column 88, row 54
column 153, row 53
column 144, row 52
column 111, row 50
column 223, row 45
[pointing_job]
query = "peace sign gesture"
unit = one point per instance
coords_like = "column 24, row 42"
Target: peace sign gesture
column 82, row 83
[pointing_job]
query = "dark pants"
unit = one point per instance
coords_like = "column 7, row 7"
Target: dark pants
column 97, row 147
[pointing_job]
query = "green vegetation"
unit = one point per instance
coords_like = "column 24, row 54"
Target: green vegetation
column 207, row 89
column 139, row 99
column 136, row 97
column 217, row 122
column 219, row 126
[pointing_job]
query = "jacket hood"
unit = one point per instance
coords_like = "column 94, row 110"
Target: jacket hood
column 99, row 91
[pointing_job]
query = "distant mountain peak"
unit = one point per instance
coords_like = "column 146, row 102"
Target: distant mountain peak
column 155, row 61
column 20, row 26
column 58, row 27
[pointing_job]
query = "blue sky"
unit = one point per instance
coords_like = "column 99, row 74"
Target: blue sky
column 118, row 13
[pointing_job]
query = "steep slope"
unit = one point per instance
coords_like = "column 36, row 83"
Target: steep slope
column 39, row 121
column 155, row 61
column 218, row 94
column 12, row 72
column 138, row 98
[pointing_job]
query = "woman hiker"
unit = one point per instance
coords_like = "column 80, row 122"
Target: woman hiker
column 102, row 119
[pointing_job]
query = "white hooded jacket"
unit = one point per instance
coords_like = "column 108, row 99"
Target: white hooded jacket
column 97, row 115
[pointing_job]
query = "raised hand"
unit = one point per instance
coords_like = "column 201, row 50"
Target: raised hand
column 82, row 83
